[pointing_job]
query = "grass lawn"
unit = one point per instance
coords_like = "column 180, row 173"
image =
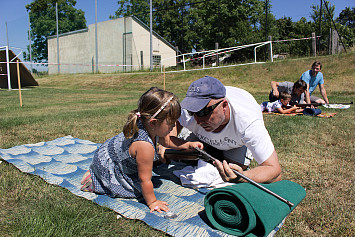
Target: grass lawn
column 317, row 153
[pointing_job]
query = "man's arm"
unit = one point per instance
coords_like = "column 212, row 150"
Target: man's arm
column 307, row 95
column 275, row 91
column 324, row 93
column 267, row 172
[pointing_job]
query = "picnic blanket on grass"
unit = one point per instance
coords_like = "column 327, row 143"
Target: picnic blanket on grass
column 64, row 161
column 336, row 106
column 321, row 115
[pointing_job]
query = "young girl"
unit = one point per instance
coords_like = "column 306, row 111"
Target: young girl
column 280, row 105
column 122, row 166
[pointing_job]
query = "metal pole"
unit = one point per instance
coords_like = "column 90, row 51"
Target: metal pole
column 7, row 59
column 270, row 48
column 266, row 29
column 151, row 35
column 30, row 42
column 96, row 47
column 255, row 54
column 320, row 24
column 219, row 29
column 217, row 55
column 56, row 14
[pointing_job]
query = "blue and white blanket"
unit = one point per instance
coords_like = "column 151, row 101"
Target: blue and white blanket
column 64, row 161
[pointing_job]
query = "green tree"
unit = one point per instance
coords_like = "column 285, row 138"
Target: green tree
column 285, row 29
column 229, row 23
column 170, row 17
column 172, row 21
column 347, row 17
column 196, row 24
column 138, row 8
column 43, row 23
column 325, row 19
column 347, row 20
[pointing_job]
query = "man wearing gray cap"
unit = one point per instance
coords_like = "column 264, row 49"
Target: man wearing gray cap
column 229, row 120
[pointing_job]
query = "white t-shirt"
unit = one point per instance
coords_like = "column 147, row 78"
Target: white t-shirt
column 245, row 128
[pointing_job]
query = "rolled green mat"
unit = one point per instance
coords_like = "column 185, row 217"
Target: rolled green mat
column 245, row 210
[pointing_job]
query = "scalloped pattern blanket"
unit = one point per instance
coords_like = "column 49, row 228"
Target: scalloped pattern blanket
column 64, row 161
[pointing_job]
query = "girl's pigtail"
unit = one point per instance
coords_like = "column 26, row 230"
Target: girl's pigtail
column 131, row 128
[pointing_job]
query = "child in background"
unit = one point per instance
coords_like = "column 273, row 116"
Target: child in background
column 122, row 166
column 280, row 105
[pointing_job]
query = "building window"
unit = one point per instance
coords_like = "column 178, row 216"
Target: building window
column 156, row 60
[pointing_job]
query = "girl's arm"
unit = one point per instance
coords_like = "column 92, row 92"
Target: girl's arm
column 286, row 111
column 172, row 141
column 144, row 154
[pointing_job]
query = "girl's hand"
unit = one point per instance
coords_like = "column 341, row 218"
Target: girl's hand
column 159, row 206
column 161, row 151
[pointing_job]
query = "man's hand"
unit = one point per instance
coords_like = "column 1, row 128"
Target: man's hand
column 276, row 93
column 226, row 172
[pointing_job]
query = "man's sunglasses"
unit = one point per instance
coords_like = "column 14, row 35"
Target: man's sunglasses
column 205, row 111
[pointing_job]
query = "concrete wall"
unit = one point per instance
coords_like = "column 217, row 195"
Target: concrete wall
column 120, row 42
column 73, row 49
column 141, row 41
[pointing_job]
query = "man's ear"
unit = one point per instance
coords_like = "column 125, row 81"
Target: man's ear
column 225, row 104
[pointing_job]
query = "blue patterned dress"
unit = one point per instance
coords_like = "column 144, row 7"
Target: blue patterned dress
column 114, row 172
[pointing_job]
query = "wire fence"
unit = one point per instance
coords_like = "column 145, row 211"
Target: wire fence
column 209, row 59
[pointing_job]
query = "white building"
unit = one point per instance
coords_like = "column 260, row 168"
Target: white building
column 123, row 45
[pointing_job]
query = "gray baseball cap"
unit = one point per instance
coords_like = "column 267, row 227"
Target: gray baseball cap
column 200, row 93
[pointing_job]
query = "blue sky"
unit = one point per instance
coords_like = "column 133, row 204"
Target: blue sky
column 14, row 13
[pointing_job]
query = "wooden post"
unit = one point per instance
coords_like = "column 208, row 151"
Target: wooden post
column 164, row 75
column 314, row 44
column 19, row 81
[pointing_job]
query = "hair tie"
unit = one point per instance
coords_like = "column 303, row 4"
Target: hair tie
column 138, row 114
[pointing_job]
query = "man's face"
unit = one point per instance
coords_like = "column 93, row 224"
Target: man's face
column 315, row 70
column 213, row 120
column 299, row 91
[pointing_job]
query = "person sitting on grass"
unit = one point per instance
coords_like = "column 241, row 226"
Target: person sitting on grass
column 314, row 78
column 280, row 106
column 122, row 166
